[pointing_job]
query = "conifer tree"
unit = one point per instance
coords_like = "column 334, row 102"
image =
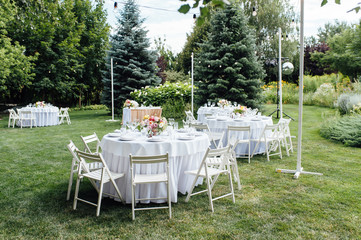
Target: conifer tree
column 134, row 65
column 227, row 66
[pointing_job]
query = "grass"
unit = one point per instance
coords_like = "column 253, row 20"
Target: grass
column 35, row 171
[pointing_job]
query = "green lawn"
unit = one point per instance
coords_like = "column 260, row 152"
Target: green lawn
column 35, row 171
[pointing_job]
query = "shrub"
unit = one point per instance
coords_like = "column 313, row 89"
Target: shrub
column 174, row 76
column 172, row 97
column 347, row 102
column 325, row 95
column 346, row 130
column 339, row 82
column 90, row 107
column 289, row 92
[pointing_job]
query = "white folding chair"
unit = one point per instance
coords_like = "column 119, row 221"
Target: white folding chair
column 89, row 141
column 234, row 141
column 27, row 115
column 13, row 116
column 63, row 113
column 270, row 137
column 138, row 178
column 190, row 117
column 103, row 175
column 213, row 136
column 285, row 135
column 75, row 166
column 207, row 170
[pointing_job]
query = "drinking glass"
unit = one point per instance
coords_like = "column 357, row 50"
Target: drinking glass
column 176, row 125
column 209, row 103
column 235, row 104
column 171, row 121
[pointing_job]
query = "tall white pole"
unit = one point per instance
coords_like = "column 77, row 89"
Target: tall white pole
column 299, row 169
column 280, row 69
column 111, row 76
column 192, row 83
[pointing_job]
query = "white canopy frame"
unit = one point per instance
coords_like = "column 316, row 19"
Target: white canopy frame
column 299, row 169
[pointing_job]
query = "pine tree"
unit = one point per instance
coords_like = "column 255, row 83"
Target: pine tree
column 134, row 66
column 227, row 66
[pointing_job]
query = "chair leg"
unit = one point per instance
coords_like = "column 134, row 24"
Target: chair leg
column 279, row 147
column 76, row 192
column 210, row 194
column 100, row 197
column 237, row 175
column 267, row 153
column 133, row 201
column 70, row 184
column 231, row 186
column 169, row 200
column 191, row 189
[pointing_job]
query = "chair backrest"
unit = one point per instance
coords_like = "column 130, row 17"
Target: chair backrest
column 154, row 159
column 232, row 139
column 91, row 158
column 72, row 149
column 87, row 140
column 26, row 114
column 284, row 126
column 212, row 136
column 216, row 158
column 271, row 131
column 190, row 116
column 13, row 114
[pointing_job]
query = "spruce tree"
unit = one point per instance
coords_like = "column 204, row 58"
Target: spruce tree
column 227, row 66
column 134, row 65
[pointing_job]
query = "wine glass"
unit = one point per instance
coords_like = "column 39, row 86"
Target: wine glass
column 209, row 103
column 171, row 121
column 235, row 104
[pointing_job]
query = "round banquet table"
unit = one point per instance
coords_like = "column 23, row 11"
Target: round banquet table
column 44, row 116
column 183, row 155
column 257, row 124
column 203, row 112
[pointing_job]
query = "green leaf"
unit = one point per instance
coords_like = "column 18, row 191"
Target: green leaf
column 195, row 5
column 338, row 1
column 184, row 8
column 323, row 3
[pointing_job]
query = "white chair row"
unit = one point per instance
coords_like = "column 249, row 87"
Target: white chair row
column 21, row 116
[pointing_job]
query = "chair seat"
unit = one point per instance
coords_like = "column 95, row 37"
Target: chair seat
column 150, row 178
column 211, row 172
column 97, row 175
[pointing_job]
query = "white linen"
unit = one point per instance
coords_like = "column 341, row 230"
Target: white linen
column 203, row 112
column 44, row 116
column 183, row 155
column 257, row 125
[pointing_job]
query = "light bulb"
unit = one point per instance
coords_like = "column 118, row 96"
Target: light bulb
column 254, row 13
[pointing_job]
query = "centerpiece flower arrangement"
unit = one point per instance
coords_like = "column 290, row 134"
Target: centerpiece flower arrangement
column 40, row 104
column 240, row 110
column 130, row 103
column 155, row 125
column 223, row 103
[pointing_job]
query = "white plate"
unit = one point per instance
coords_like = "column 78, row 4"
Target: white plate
column 221, row 119
column 239, row 120
column 157, row 139
column 256, row 119
column 114, row 134
column 127, row 138
column 211, row 117
column 181, row 130
column 185, row 138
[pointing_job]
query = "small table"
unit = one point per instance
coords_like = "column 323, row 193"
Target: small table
column 183, row 155
column 132, row 114
column 44, row 116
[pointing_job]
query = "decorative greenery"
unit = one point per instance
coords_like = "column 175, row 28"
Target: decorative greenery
column 346, row 130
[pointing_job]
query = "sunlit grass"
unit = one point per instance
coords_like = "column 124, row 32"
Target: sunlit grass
column 35, row 171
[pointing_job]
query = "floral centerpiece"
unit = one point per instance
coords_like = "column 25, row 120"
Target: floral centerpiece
column 223, row 103
column 130, row 103
column 40, row 104
column 240, row 110
column 155, row 125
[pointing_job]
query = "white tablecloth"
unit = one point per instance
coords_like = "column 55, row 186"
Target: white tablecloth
column 44, row 116
column 203, row 112
column 183, row 155
column 131, row 114
column 257, row 125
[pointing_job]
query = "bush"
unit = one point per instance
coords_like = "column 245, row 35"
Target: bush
column 338, row 81
column 174, row 76
column 346, row 130
column 289, row 92
column 325, row 95
column 348, row 102
column 172, row 97
column 90, row 107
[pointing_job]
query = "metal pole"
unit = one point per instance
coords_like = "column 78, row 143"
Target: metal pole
column 192, row 83
column 280, row 69
column 111, row 74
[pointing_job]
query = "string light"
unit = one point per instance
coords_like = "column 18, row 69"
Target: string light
column 254, row 12
column 115, row 5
